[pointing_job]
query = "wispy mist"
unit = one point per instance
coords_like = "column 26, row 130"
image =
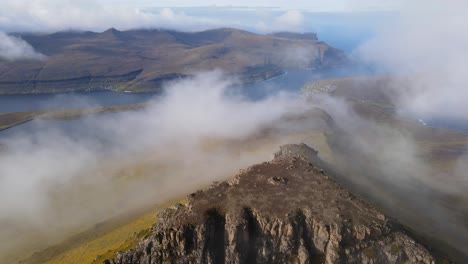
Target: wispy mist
column 55, row 181
column 425, row 53
column 14, row 48
column 331, row 19
column 427, row 46
column 54, row 15
column 386, row 164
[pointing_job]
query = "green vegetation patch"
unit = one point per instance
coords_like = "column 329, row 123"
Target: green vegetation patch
column 102, row 241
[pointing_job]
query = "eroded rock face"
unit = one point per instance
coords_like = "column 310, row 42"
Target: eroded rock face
column 283, row 211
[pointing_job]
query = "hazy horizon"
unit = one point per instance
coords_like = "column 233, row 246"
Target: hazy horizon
column 339, row 23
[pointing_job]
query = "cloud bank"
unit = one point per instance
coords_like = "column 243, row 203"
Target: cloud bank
column 54, row 15
column 55, row 180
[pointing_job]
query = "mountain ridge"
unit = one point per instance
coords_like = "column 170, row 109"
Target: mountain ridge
column 87, row 61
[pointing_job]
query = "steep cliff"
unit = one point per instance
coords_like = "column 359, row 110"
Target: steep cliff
column 284, row 211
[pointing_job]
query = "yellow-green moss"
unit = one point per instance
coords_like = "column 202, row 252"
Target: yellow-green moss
column 395, row 248
column 369, row 252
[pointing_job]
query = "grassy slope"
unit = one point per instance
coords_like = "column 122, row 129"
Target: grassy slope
column 102, row 241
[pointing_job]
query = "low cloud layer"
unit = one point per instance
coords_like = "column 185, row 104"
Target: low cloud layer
column 384, row 163
column 14, row 48
column 425, row 51
column 72, row 178
column 428, row 48
column 53, row 15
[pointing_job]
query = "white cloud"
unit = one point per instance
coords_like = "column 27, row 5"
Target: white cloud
column 429, row 46
column 316, row 5
column 292, row 20
column 55, row 180
column 14, row 48
column 54, row 15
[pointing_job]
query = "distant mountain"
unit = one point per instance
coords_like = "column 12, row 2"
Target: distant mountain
column 142, row 60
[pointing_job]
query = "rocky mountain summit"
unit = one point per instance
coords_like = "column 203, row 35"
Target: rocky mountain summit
column 288, row 210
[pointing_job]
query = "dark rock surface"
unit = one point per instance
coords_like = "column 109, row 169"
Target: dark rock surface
column 284, row 211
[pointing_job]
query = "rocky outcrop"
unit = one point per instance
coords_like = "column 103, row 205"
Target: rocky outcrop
column 284, row 211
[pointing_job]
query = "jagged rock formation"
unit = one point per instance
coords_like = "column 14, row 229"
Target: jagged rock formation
column 284, row 211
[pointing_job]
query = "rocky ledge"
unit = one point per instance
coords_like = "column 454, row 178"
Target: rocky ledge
column 284, row 211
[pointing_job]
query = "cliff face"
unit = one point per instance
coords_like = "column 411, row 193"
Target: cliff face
column 283, row 211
